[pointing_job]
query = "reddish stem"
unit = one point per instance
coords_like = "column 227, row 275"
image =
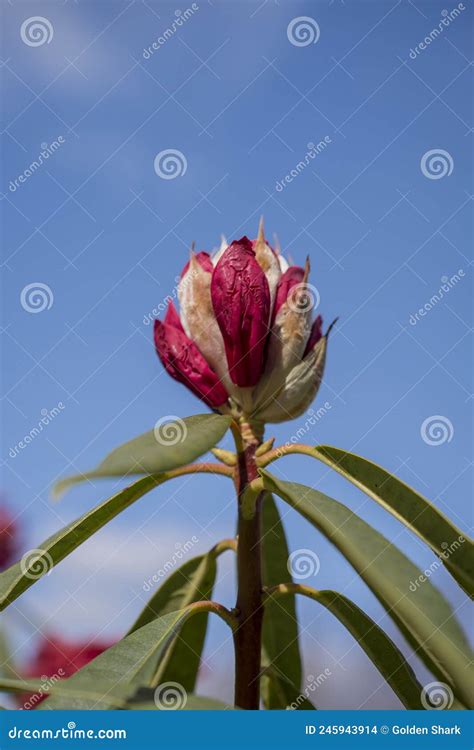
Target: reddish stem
column 249, row 610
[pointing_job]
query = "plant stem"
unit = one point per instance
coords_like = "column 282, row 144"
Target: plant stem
column 215, row 608
column 249, row 610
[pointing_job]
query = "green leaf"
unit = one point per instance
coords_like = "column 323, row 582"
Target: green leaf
column 377, row 645
column 36, row 563
column 192, row 582
column 280, row 648
column 289, row 696
column 29, row 687
column 423, row 614
column 106, row 693
column 167, row 447
column 192, row 703
column 121, row 670
column 424, row 519
column 7, row 668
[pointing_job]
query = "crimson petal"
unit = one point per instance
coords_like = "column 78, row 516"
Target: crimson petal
column 292, row 276
column 172, row 317
column 241, row 301
column 204, row 260
column 184, row 362
column 315, row 335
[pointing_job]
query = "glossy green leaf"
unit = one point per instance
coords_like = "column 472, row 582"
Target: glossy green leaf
column 280, row 648
column 119, row 672
column 169, row 446
column 424, row 519
column 423, row 614
column 377, row 645
column 192, row 582
column 37, row 563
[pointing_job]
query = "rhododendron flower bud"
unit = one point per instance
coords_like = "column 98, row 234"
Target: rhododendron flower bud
column 244, row 340
column 8, row 538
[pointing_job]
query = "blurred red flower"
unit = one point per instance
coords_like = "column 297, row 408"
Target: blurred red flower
column 57, row 658
column 8, row 538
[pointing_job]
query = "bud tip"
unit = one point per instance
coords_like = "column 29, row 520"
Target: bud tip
column 331, row 327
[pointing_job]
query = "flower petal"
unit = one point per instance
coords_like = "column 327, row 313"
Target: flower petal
column 184, row 362
column 300, row 388
column 294, row 275
column 199, row 320
column 172, row 317
column 204, row 260
column 267, row 260
column 241, row 301
column 315, row 335
column 220, row 252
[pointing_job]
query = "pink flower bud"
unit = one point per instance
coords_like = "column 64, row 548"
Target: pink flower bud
column 185, row 363
column 244, row 340
column 241, row 301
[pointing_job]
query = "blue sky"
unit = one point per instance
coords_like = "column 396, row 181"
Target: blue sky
column 98, row 226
